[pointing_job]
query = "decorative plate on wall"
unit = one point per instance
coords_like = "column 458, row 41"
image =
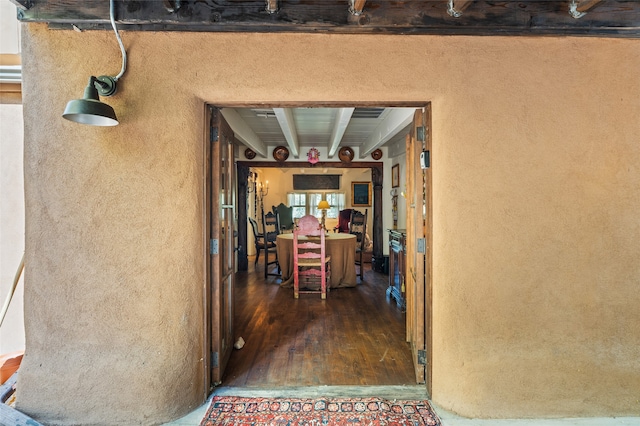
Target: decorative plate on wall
column 377, row 154
column 249, row 154
column 280, row 153
column 345, row 154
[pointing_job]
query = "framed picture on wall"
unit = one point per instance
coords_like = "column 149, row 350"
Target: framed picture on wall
column 361, row 194
column 395, row 176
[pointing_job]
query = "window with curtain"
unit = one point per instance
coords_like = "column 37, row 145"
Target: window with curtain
column 297, row 200
column 307, row 203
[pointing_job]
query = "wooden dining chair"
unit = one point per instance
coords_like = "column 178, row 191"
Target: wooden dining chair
column 344, row 216
column 258, row 239
column 311, row 265
column 285, row 216
column 270, row 229
column 358, row 227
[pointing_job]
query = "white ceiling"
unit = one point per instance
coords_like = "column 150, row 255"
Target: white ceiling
column 327, row 129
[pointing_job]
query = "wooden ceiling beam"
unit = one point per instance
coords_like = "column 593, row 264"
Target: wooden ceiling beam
column 289, row 130
column 394, row 122
column 243, row 131
column 607, row 18
column 342, row 121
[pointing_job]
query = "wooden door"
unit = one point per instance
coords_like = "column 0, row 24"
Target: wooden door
column 418, row 254
column 221, row 245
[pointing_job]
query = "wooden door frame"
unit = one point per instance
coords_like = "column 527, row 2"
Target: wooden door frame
column 242, row 173
column 422, row 185
column 210, row 180
column 206, row 222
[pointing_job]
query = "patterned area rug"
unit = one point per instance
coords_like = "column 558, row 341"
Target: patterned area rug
column 233, row 410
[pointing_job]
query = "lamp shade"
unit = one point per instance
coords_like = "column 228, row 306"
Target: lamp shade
column 324, row 204
column 89, row 109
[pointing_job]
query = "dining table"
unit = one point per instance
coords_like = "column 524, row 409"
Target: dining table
column 340, row 246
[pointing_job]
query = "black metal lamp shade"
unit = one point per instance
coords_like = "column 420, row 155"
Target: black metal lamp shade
column 89, row 109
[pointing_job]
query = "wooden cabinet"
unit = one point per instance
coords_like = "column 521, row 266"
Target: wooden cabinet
column 397, row 248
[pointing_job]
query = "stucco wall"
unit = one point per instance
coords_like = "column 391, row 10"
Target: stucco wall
column 535, row 186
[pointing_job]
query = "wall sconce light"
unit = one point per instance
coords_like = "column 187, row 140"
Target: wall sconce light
column 252, row 182
column 89, row 109
column 262, row 192
column 323, row 205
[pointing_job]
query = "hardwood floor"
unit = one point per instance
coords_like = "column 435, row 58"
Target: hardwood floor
column 354, row 337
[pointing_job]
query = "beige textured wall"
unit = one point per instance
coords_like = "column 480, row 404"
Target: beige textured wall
column 535, row 190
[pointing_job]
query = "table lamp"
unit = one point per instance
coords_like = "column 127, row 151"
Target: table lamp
column 323, row 205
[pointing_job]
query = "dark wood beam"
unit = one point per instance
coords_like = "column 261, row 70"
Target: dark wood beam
column 606, row 18
column 22, row 4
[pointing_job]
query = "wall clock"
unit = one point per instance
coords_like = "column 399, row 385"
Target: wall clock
column 345, row 154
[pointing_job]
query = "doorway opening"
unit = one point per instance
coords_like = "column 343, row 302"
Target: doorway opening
column 272, row 321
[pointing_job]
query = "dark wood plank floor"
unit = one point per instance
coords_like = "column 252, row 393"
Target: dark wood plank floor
column 354, row 337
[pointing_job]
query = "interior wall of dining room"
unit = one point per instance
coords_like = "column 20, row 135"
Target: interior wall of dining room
column 535, row 199
column 281, row 183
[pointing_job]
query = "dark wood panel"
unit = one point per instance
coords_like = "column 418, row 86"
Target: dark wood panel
column 354, row 337
column 614, row 18
column 308, row 182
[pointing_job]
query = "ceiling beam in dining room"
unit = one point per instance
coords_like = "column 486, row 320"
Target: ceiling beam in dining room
column 391, row 125
column 288, row 126
column 243, row 132
column 343, row 117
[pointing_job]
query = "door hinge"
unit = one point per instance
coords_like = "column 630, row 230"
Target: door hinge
column 214, row 134
column 214, row 360
column 422, row 357
column 421, row 133
column 422, row 245
column 213, row 246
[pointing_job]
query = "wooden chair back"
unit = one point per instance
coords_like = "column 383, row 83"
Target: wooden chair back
column 311, row 265
column 358, row 227
column 270, row 231
column 285, row 216
column 344, row 216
